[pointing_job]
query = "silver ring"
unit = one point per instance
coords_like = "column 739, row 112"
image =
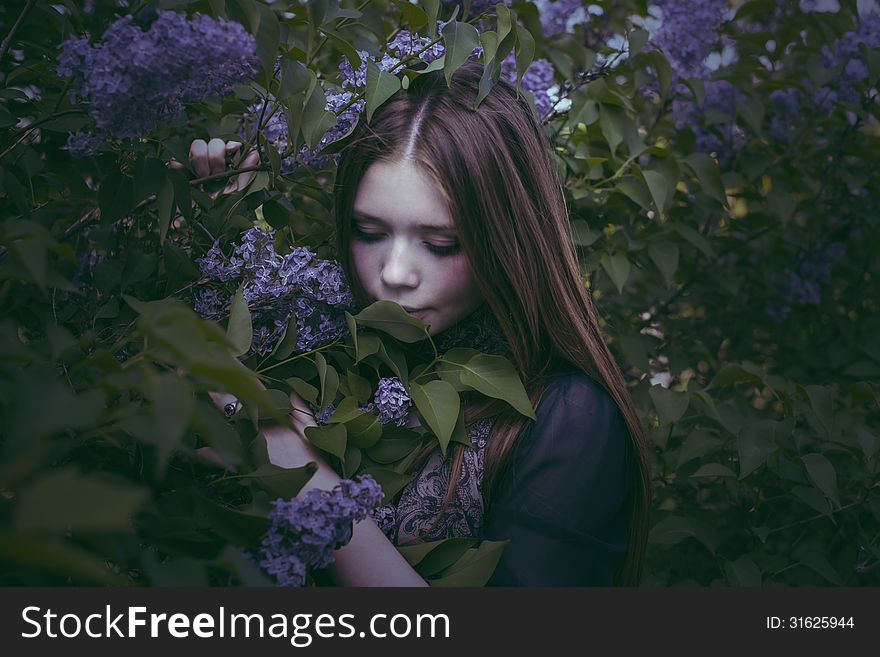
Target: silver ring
column 231, row 408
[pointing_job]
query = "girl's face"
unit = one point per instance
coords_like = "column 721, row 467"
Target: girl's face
column 405, row 248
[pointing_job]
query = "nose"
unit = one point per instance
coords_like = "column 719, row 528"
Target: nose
column 400, row 268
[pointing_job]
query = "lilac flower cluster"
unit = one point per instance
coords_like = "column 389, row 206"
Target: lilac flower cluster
column 801, row 284
column 278, row 287
column 133, row 80
column 353, row 82
column 305, row 532
column 689, row 32
column 538, row 79
column 391, row 402
column 558, row 16
column 788, row 106
column 405, row 44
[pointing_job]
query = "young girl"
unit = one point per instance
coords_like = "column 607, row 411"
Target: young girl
column 458, row 215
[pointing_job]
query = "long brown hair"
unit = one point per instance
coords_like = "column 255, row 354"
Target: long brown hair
column 494, row 168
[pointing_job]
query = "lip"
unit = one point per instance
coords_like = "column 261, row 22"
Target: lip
column 415, row 311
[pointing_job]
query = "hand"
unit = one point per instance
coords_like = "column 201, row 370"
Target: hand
column 287, row 447
column 209, row 158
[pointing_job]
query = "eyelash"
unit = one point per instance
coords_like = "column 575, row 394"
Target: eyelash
column 363, row 236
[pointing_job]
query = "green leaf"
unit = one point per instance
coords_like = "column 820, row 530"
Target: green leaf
column 474, row 568
column 344, row 45
column 304, row 390
column 673, row 529
column 287, row 344
column 358, row 386
column 618, row 128
column 381, row 85
column 665, row 256
column 65, row 500
column 295, row 78
column 115, row 196
column 268, row 36
column 391, row 482
column 823, row 475
column 438, row 403
column 281, row 482
column 617, row 267
column 694, row 238
column 316, row 120
column 731, row 374
column 670, row 404
column 240, row 330
column 391, row 318
column 415, row 16
column 364, row 430
column 820, row 564
column 331, row 438
column 460, row 40
column 165, row 208
column 662, row 189
column 329, row 378
column 707, row 172
column 755, row 444
column 637, row 40
column 742, row 572
column 495, row 377
column 57, row 556
column 581, row 233
column 714, row 470
column 583, row 110
column 432, row 9
column 525, row 52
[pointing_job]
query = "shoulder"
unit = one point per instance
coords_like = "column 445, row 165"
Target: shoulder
column 578, row 450
column 576, row 416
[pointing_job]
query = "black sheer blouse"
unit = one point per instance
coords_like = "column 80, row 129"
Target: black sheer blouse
column 561, row 499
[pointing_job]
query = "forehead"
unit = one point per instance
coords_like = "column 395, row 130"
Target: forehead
column 400, row 193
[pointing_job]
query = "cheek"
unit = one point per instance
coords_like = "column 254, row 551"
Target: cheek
column 361, row 262
column 459, row 282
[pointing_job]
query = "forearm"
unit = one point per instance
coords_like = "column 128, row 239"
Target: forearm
column 369, row 558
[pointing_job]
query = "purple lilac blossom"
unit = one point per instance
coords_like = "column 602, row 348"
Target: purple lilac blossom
column 788, row 106
column 689, row 32
column 322, row 415
column 305, row 532
column 538, row 79
column 134, row 80
column 558, row 16
column 801, row 283
column 391, row 402
column 277, row 288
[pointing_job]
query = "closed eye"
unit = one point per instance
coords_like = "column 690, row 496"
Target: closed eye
column 441, row 250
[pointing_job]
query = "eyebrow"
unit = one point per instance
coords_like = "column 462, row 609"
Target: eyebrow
column 435, row 227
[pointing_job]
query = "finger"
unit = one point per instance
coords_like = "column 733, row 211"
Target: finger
column 252, row 159
column 228, row 404
column 217, row 155
column 232, row 146
column 174, row 164
column 198, row 155
column 211, row 456
column 242, row 181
